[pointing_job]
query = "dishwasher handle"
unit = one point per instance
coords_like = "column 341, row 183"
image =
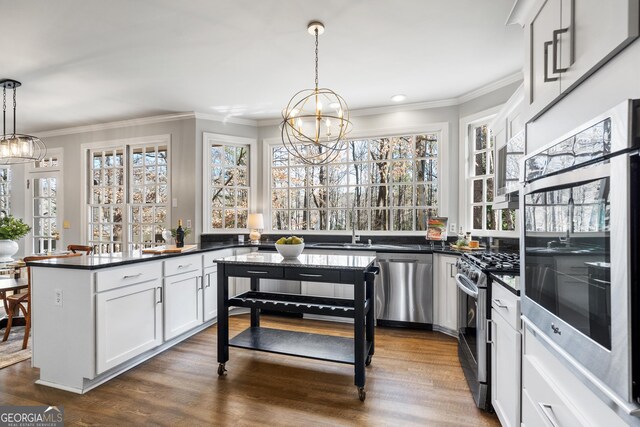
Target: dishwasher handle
column 466, row 286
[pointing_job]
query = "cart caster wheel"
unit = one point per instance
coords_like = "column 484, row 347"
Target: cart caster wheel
column 221, row 369
column 368, row 361
column 362, row 394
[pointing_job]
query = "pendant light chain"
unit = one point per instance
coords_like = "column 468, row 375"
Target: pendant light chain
column 4, row 111
column 14, row 110
column 316, row 31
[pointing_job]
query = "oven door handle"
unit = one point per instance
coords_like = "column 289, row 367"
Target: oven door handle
column 466, row 285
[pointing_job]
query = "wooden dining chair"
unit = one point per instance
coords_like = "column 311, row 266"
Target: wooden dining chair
column 22, row 302
column 80, row 248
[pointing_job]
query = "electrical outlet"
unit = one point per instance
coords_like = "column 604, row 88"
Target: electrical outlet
column 188, row 223
column 57, row 297
column 452, row 227
column 174, row 203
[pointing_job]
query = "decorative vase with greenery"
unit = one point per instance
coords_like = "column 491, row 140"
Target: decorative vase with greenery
column 11, row 229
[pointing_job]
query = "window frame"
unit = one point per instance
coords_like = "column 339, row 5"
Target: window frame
column 442, row 128
column 252, row 167
column 466, row 165
column 127, row 144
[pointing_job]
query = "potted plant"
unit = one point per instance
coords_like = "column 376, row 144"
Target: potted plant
column 11, row 229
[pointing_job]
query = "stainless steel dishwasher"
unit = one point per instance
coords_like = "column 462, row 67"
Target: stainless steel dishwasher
column 404, row 290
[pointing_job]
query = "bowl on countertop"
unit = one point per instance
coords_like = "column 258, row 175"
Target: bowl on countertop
column 290, row 251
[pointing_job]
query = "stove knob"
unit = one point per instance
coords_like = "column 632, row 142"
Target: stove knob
column 473, row 275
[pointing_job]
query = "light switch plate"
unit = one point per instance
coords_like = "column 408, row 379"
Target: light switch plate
column 174, row 202
column 188, row 223
column 452, row 227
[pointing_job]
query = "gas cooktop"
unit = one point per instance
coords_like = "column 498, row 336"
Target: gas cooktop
column 495, row 261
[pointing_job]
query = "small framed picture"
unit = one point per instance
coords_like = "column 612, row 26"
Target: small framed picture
column 437, row 228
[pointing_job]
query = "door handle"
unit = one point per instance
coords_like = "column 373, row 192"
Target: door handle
column 546, row 63
column 554, row 42
column 547, row 410
column 500, row 304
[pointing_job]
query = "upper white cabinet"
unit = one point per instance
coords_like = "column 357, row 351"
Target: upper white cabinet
column 567, row 40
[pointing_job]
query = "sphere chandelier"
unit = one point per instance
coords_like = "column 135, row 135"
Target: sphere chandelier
column 16, row 148
column 315, row 121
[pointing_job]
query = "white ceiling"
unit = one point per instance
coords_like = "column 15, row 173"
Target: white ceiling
column 86, row 62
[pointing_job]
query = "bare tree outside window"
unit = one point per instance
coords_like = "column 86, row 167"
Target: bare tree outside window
column 378, row 184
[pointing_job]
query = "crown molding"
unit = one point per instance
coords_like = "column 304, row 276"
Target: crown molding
column 450, row 102
column 119, row 124
column 146, row 121
column 226, row 119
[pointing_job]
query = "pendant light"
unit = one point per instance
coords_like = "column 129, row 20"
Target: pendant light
column 315, row 121
column 17, row 148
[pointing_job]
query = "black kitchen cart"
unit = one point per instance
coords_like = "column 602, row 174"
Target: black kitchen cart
column 358, row 271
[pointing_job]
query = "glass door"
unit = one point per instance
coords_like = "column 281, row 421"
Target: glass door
column 45, row 212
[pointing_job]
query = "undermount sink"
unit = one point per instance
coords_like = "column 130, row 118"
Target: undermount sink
column 354, row 245
column 559, row 250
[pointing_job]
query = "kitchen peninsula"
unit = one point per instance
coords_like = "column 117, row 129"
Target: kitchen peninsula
column 348, row 269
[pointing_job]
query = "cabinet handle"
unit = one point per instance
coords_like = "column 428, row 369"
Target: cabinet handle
column 489, row 334
column 452, row 272
column 310, row 275
column 131, row 276
column 500, row 304
column 257, row 272
column 184, row 266
column 546, row 63
column 199, row 282
column 160, row 300
column 208, row 280
column 547, row 410
column 554, row 41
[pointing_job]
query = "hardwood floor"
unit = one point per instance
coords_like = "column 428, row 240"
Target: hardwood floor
column 415, row 379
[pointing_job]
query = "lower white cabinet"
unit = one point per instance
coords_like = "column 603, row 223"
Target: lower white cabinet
column 128, row 323
column 506, row 355
column 210, row 293
column 445, row 293
column 183, row 303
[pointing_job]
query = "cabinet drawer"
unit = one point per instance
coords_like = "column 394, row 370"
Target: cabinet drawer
column 182, row 264
column 255, row 271
column 125, row 276
column 313, row 275
column 208, row 258
column 543, row 404
column 506, row 304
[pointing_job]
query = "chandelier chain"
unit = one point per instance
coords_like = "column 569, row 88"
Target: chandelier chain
column 316, row 31
column 14, row 110
column 4, row 111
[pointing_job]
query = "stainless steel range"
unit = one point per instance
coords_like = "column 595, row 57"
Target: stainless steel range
column 474, row 309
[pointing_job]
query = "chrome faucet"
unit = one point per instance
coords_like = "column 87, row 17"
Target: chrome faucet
column 354, row 238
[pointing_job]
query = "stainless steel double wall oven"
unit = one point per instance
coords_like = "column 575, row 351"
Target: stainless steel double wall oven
column 580, row 212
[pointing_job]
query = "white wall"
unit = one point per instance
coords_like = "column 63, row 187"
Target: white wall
column 618, row 80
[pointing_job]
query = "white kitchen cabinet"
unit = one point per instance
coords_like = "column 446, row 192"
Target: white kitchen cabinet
column 445, row 294
column 567, row 40
column 506, row 355
column 183, row 303
column 183, row 295
column 128, row 323
column 210, row 293
column 553, row 395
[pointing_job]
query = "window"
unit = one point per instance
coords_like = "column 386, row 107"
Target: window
column 483, row 217
column 228, row 189
column 5, row 189
column 377, row 184
column 45, row 195
column 128, row 191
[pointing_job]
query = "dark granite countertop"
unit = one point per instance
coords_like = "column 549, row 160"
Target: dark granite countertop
column 509, row 281
column 95, row 262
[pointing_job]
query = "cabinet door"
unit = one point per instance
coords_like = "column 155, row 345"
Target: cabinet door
column 182, row 305
column 505, row 370
column 544, row 84
column 597, row 30
column 447, row 293
column 128, row 323
column 210, row 294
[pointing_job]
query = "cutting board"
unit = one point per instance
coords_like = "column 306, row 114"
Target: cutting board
column 169, row 249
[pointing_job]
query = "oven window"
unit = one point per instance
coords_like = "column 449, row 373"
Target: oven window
column 567, row 258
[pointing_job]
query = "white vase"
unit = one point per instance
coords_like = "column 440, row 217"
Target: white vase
column 7, row 249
